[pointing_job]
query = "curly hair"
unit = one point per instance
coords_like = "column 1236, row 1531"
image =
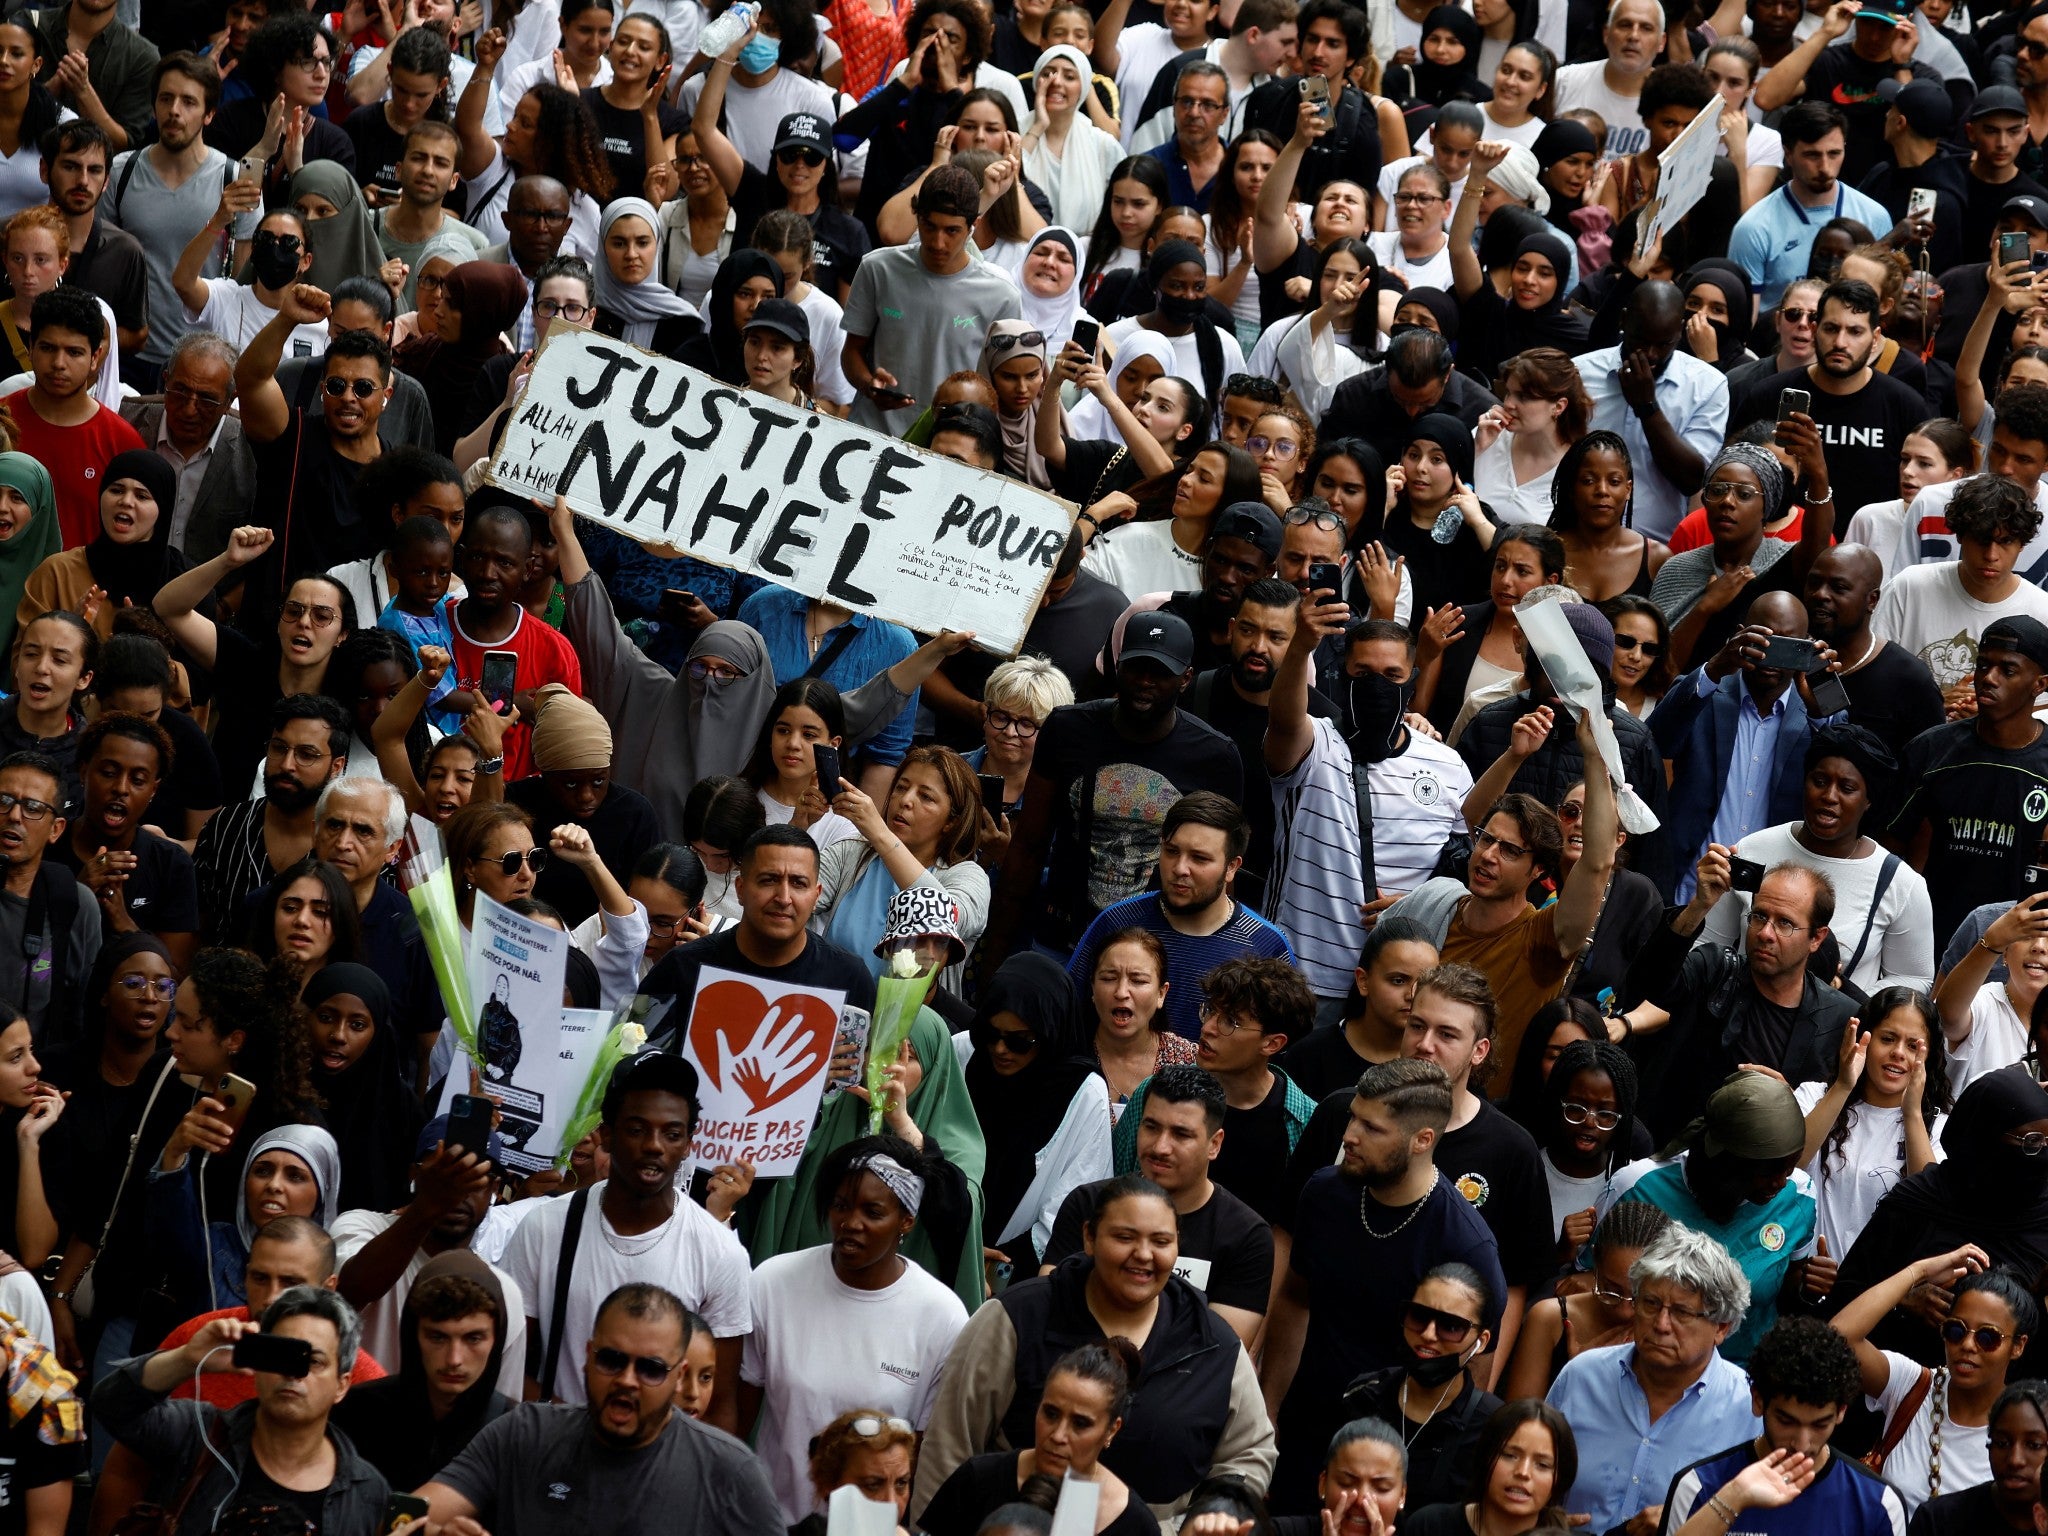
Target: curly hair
column 131, row 728
column 973, row 19
column 568, row 145
column 286, row 35
column 1539, row 827
column 1806, row 1361
column 1272, row 993
column 240, row 991
column 1986, row 506
column 833, row 1446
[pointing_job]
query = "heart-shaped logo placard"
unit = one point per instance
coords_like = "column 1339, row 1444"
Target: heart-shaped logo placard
column 745, row 1044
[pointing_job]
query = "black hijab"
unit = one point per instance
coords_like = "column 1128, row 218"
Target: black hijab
column 371, row 1109
column 1985, row 1184
column 1440, row 305
column 391, row 1422
column 135, row 572
column 1439, row 83
column 1561, row 138
column 1733, row 284
column 1020, row 1113
column 1554, row 325
column 720, row 350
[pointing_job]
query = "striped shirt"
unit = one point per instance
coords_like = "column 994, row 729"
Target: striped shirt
column 1189, row 956
column 1318, row 880
column 231, row 860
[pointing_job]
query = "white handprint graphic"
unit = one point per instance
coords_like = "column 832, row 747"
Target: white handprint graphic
column 784, row 1050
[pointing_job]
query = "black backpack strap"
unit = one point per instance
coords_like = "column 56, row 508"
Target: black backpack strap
column 121, row 182
column 1201, row 692
column 1885, row 874
column 1361, row 795
column 558, row 1312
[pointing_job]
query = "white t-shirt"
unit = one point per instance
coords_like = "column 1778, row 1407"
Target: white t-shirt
column 820, row 1348
column 1848, row 1183
column 1187, row 362
column 1142, row 557
column 1878, row 528
column 1965, row 1448
column 754, row 112
column 1569, row 1196
column 1926, row 610
column 352, row 1230
column 691, row 1254
column 1493, row 477
column 1390, row 182
column 1429, row 272
column 1418, row 802
column 828, row 338
column 1766, row 147
column 1585, row 85
column 1997, row 1038
column 1524, row 134
column 233, row 311
column 1900, row 950
column 1142, row 51
column 513, row 84
column 828, row 829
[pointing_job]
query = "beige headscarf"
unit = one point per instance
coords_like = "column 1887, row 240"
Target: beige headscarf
column 568, row 732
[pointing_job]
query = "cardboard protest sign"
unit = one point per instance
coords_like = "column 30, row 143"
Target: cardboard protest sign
column 762, row 1051
column 1683, row 172
column 663, row 453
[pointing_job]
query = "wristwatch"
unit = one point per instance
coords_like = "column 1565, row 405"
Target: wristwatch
column 491, row 764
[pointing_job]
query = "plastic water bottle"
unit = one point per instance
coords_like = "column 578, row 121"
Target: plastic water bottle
column 726, row 29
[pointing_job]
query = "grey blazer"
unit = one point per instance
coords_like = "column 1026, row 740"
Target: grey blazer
column 227, row 492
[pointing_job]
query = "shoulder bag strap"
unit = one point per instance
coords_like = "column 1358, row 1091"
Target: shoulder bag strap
column 134, row 1146
column 209, row 1446
column 1901, row 1421
column 1885, row 872
column 565, row 1264
column 830, row 651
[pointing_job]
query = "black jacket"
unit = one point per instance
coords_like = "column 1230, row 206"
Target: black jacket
column 1558, row 764
column 1711, row 999
column 1364, row 407
column 1180, row 1403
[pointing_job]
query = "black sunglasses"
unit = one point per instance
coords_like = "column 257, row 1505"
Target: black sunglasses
column 795, row 155
column 1450, row 1328
column 648, row 1370
column 1955, row 1330
column 362, row 389
column 535, row 859
column 1649, row 648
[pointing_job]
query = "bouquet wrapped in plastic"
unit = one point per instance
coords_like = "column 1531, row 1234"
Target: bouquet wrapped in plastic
column 906, row 982
column 429, row 884
column 627, row 1038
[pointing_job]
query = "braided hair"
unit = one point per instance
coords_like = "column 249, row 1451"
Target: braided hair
column 1598, row 1056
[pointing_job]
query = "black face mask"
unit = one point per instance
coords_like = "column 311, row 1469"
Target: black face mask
column 1183, row 310
column 275, row 258
column 1434, row 1371
column 1377, row 706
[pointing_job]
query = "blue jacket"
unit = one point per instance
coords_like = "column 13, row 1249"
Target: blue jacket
column 1698, row 734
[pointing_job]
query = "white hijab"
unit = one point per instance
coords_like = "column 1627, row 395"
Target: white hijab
column 1054, row 316
column 1088, row 421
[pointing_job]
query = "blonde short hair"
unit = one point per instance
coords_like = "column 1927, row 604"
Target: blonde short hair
column 1030, row 685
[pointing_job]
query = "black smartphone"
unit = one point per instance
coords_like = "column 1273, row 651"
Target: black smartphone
column 1789, row 653
column 1088, row 335
column 469, row 1124
column 1326, row 576
column 1745, row 875
column 2014, row 246
column 401, row 1508
column 501, row 671
column 1829, row 696
column 826, row 761
column 992, row 793
column 274, row 1354
column 1790, row 400
column 893, row 399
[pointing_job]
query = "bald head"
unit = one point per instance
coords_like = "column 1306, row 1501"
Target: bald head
column 1779, row 612
column 1653, row 321
column 1841, row 593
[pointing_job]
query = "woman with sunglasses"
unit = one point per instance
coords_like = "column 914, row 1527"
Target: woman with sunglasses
column 1598, row 1310
column 863, row 1448
column 1641, row 669
column 1525, row 1463
column 1432, row 1396
column 1013, row 361
column 1079, row 1416
column 827, row 1318
column 1592, row 494
column 1884, row 919
column 1473, row 655
column 1936, row 1420
column 1202, row 1418
column 491, row 849
column 1043, row 1107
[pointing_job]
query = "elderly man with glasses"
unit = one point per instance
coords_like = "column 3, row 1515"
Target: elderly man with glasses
column 197, row 435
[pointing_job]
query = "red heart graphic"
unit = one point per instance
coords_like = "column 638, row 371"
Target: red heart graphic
column 736, row 1013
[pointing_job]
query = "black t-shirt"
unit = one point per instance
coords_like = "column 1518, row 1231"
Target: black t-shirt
column 623, row 828
column 822, row 964
column 1894, row 696
column 161, row 892
column 1226, row 1248
column 1436, row 1520
column 1973, row 1512
column 1110, row 798
column 837, row 240
column 1861, row 434
column 1893, row 186
column 1255, row 1151
column 245, row 689
column 193, row 784
column 307, row 493
column 258, row 1491
column 111, row 264
column 1849, row 83
column 379, row 147
column 1322, row 1063
column 1988, row 812
column 1632, row 912
column 1980, row 211
column 1494, row 1164
column 1095, row 467
column 26, row 1463
column 624, row 132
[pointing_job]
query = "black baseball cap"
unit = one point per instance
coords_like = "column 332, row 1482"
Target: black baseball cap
column 1993, row 98
column 2033, row 209
column 1252, row 521
column 803, row 130
column 2020, row 632
column 1924, row 105
column 652, row 1071
column 1160, row 637
column 784, row 317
